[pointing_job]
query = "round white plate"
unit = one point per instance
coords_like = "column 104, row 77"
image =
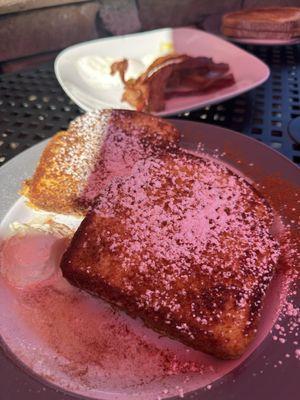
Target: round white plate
column 244, row 378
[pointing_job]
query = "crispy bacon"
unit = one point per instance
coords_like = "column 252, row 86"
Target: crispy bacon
column 121, row 67
column 172, row 75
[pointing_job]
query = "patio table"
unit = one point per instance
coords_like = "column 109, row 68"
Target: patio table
column 33, row 106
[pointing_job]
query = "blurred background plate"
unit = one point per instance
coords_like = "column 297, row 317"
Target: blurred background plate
column 249, row 71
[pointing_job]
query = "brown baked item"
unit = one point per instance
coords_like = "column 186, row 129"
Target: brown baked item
column 244, row 34
column 263, row 23
column 184, row 244
column 76, row 164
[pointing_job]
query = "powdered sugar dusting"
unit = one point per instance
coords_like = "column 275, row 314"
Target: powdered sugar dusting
column 196, row 222
column 87, row 134
column 66, row 163
column 286, row 329
column 128, row 140
column 98, row 146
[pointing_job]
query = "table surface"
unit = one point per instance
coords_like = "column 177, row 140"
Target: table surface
column 34, row 107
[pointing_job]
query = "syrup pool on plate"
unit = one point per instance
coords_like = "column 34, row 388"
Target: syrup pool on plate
column 84, row 346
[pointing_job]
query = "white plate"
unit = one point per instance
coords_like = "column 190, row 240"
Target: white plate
column 243, row 382
column 248, row 70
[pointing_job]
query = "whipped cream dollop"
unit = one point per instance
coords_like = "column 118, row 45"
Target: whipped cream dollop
column 32, row 254
column 96, row 69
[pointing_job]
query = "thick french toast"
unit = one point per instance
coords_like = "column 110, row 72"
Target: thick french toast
column 263, row 23
column 77, row 163
column 184, row 244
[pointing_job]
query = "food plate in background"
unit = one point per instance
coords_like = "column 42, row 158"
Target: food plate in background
column 261, row 375
column 248, row 70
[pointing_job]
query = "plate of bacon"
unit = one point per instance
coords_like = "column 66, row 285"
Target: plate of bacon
column 163, row 72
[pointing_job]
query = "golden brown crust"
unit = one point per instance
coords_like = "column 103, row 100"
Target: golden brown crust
column 184, row 244
column 70, row 158
column 51, row 188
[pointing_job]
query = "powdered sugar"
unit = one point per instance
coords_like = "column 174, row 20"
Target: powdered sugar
column 189, row 220
column 87, row 134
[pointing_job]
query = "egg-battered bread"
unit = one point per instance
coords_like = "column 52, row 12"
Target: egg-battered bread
column 76, row 164
column 183, row 243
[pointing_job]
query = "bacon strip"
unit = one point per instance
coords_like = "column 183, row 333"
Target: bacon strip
column 172, row 75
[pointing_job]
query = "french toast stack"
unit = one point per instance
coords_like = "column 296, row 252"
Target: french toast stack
column 280, row 23
column 176, row 239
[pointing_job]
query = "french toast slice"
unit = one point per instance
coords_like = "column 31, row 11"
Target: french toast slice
column 77, row 163
column 269, row 23
column 184, row 244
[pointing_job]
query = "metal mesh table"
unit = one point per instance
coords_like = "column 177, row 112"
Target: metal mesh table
column 33, row 106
